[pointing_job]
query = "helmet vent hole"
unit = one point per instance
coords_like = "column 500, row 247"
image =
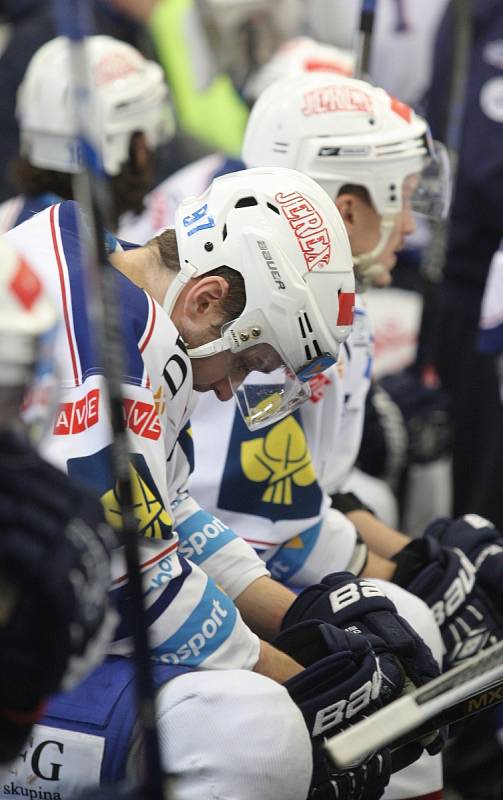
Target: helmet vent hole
column 274, row 208
column 244, row 202
column 280, row 147
column 308, row 353
column 302, row 331
column 308, row 324
column 316, row 347
column 224, row 232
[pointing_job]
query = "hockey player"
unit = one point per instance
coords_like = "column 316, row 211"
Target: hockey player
column 275, row 484
column 55, row 546
column 133, row 116
column 79, row 415
column 193, row 622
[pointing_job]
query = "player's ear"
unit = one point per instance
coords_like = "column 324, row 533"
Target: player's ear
column 203, row 299
column 346, row 205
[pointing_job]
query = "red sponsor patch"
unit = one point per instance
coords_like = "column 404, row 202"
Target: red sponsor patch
column 346, row 308
column 318, row 384
column 309, row 228
column 78, row 416
column 318, row 65
column 141, row 418
column 25, row 285
column 330, row 99
column 402, row 109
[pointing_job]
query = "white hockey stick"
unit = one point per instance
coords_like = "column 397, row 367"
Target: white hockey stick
column 475, row 675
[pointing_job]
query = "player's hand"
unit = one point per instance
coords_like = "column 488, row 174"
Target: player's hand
column 446, row 580
column 341, row 683
column 482, row 543
column 357, row 604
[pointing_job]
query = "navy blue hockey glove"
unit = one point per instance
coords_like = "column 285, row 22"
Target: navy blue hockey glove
column 340, row 684
column 359, row 605
column 55, row 621
column 446, row 580
column 482, row 543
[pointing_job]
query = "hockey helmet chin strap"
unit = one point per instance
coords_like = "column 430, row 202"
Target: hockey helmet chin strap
column 367, row 265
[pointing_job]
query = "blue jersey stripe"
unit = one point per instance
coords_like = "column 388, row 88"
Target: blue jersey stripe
column 133, row 303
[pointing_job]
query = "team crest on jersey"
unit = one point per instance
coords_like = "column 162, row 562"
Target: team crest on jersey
column 154, row 522
column 270, row 473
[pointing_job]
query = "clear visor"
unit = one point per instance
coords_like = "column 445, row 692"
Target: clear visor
column 429, row 193
column 263, row 403
column 264, row 381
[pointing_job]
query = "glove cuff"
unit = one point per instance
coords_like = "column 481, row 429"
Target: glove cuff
column 410, row 561
column 347, row 502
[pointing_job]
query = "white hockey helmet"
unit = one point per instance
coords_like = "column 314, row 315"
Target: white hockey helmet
column 343, row 131
column 279, row 230
column 296, row 56
column 130, row 95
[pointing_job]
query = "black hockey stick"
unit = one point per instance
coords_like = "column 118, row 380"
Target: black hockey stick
column 365, row 38
column 93, row 193
column 472, row 686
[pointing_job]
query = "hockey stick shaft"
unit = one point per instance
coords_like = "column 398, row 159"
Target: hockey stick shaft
column 92, row 191
column 411, row 711
column 489, row 697
column 367, row 17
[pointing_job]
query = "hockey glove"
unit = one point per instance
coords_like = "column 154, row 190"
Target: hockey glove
column 359, row 605
column 340, row 684
column 482, row 543
column 445, row 579
column 55, row 621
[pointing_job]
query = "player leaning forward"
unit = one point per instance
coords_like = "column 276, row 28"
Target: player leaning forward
column 242, row 279
column 233, row 224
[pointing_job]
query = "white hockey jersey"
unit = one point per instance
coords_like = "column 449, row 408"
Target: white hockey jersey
column 202, row 624
column 272, row 486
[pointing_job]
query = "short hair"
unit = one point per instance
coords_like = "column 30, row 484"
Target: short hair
column 235, row 300
column 357, row 190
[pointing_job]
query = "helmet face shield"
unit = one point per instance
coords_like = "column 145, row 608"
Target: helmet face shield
column 264, row 382
column 263, row 403
column 430, row 195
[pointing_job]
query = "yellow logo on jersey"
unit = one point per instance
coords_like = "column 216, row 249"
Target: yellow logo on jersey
column 153, row 519
column 281, row 458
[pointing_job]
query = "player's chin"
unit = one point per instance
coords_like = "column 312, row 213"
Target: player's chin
column 384, row 279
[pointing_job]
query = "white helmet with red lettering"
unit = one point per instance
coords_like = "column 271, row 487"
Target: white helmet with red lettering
column 343, row 131
column 295, row 57
column 279, row 230
column 129, row 96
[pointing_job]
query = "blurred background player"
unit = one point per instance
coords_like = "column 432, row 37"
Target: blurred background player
column 55, row 620
column 295, row 56
column 133, row 116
